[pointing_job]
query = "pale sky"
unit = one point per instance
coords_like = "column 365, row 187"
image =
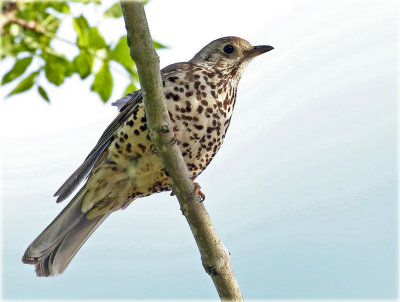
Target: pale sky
column 303, row 193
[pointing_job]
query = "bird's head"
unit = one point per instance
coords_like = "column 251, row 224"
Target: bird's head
column 229, row 52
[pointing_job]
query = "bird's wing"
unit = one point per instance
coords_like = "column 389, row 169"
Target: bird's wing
column 73, row 181
column 126, row 105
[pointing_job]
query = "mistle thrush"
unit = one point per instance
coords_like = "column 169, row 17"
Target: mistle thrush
column 200, row 96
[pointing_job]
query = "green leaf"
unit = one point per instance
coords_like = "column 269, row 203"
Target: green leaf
column 114, row 11
column 158, row 45
column 83, row 64
column 18, row 69
column 60, row 6
column 56, row 68
column 131, row 87
column 25, row 84
column 87, row 1
column 95, row 39
column 81, row 27
column 121, row 54
column 43, row 93
column 88, row 36
column 103, row 83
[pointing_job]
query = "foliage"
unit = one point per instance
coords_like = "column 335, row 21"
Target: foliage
column 27, row 30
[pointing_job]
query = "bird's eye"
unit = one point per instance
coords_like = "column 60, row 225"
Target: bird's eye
column 228, row 49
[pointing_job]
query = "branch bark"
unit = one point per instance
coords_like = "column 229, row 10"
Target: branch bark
column 214, row 256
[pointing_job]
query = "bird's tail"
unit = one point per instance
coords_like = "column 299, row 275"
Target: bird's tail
column 55, row 247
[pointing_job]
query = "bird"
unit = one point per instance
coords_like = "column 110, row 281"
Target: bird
column 200, row 96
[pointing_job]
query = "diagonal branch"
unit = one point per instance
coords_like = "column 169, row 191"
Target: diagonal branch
column 214, row 256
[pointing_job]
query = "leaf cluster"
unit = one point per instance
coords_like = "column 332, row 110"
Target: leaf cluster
column 27, row 30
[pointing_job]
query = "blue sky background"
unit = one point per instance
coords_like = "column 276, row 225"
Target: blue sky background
column 303, row 192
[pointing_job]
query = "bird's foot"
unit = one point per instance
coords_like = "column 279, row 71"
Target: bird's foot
column 166, row 179
column 153, row 149
column 198, row 192
column 175, row 139
column 196, row 189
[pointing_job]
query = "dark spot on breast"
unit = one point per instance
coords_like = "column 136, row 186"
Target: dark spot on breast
column 200, row 109
column 209, row 110
column 136, row 132
column 128, row 147
column 143, row 148
column 189, row 93
column 210, row 129
column 130, row 123
column 143, row 119
column 143, row 127
column 186, row 117
column 176, row 97
column 171, row 117
column 196, row 85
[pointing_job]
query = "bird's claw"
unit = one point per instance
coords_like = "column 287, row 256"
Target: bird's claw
column 198, row 192
column 175, row 139
column 153, row 149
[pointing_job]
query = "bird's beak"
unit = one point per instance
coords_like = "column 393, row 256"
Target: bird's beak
column 257, row 50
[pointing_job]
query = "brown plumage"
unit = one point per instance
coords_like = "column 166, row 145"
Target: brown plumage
column 200, row 96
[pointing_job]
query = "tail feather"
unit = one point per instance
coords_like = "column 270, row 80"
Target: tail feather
column 55, row 247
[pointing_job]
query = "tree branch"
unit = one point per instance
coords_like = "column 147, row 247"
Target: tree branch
column 214, row 256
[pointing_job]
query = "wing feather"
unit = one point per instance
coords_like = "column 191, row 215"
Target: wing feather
column 127, row 106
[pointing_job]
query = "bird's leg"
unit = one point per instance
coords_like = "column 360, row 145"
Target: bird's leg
column 153, row 149
column 176, row 139
column 198, row 192
column 196, row 188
